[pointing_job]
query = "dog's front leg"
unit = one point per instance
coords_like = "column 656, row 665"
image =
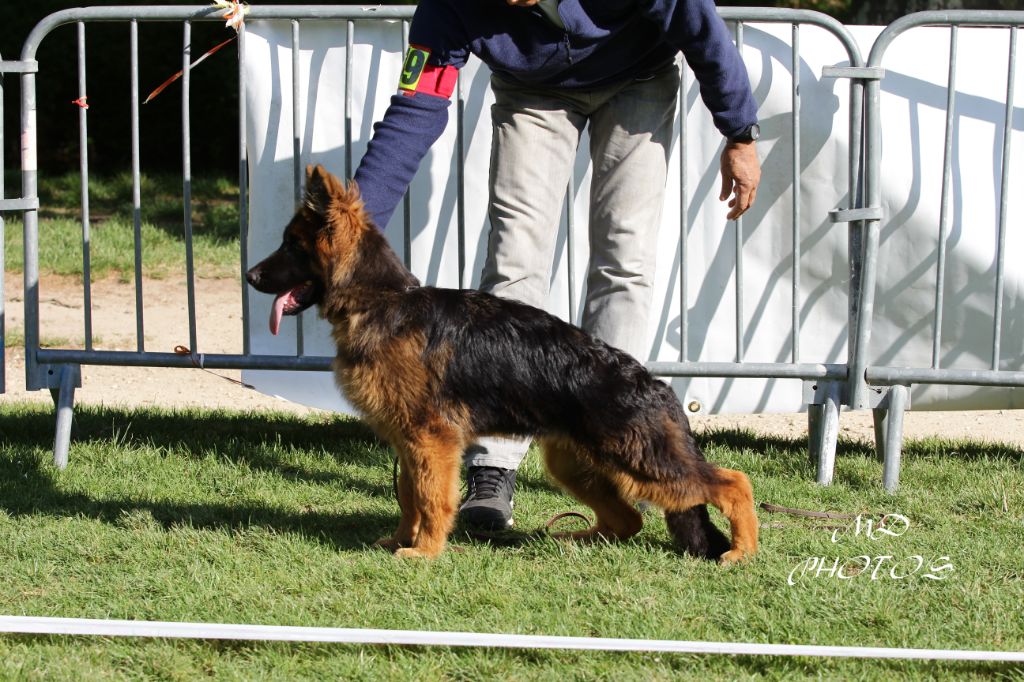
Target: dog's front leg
column 434, row 462
column 409, row 521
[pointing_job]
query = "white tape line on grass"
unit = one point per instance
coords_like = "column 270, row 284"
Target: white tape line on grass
column 278, row 633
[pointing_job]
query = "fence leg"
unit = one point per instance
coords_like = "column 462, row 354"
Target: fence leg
column 879, row 415
column 814, row 431
column 64, row 397
column 823, row 432
column 892, row 436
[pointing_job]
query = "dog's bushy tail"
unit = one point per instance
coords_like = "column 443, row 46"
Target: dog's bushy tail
column 695, row 534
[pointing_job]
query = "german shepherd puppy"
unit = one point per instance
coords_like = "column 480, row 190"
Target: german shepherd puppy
column 433, row 369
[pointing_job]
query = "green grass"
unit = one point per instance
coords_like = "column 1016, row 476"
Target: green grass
column 112, row 231
column 262, row 518
column 16, row 339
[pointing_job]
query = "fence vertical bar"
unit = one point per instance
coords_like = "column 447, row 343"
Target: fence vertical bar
column 3, row 258
column 30, row 222
column 570, row 266
column 83, row 165
column 865, row 292
column 140, row 330
column 740, row 350
column 795, row 350
column 570, row 263
column 406, row 198
column 855, row 232
column 944, row 204
column 300, row 340
column 350, row 41
column 460, row 178
column 684, row 216
column 1004, row 188
column 186, row 171
column 243, row 185
column 296, row 113
column 856, row 130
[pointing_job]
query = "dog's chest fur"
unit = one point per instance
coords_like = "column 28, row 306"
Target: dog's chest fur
column 382, row 365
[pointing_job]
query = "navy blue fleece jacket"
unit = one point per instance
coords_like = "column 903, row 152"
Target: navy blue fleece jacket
column 603, row 42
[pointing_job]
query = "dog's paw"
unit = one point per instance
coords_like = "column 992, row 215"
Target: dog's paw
column 391, row 544
column 414, row 553
column 735, row 556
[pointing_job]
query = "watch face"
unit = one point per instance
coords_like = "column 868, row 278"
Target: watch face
column 748, row 134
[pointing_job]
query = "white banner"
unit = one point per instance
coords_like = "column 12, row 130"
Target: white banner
column 913, row 107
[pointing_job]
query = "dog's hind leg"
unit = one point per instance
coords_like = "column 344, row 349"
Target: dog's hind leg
column 433, row 463
column 616, row 518
column 731, row 492
column 409, row 522
column 682, row 497
column 695, row 534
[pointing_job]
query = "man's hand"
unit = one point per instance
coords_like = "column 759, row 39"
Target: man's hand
column 741, row 174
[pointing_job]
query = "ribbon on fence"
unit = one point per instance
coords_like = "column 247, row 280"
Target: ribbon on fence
column 199, row 362
column 234, row 16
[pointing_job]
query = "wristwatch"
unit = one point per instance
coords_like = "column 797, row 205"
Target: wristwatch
column 748, row 134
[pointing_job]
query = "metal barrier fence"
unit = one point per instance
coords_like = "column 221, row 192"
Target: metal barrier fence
column 887, row 389
column 58, row 369
column 3, row 239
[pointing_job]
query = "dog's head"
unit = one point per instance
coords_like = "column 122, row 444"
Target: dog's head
column 317, row 245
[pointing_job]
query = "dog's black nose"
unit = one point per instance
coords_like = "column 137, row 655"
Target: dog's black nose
column 253, row 276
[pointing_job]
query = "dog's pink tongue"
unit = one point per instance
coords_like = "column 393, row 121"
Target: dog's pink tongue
column 277, row 312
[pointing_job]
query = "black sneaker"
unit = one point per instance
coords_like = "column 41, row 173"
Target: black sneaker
column 488, row 502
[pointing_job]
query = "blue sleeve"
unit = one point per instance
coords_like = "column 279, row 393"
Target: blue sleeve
column 400, row 140
column 412, row 123
column 696, row 29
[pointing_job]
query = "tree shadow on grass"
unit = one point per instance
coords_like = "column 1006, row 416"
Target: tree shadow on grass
column 963, row 450
column 258, row 441
column 261, row 441
column 264, row 442
column 25, row 490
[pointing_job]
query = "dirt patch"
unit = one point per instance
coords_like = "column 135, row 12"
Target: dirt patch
column 219, row 330
column 165, row 326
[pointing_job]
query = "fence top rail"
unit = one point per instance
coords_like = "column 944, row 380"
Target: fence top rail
column 784, row 15
column 339, row 12
column 960, row 17
column 205, row 13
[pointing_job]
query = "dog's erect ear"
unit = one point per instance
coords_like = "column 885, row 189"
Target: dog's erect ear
column 352, row 193
column 321, row 186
